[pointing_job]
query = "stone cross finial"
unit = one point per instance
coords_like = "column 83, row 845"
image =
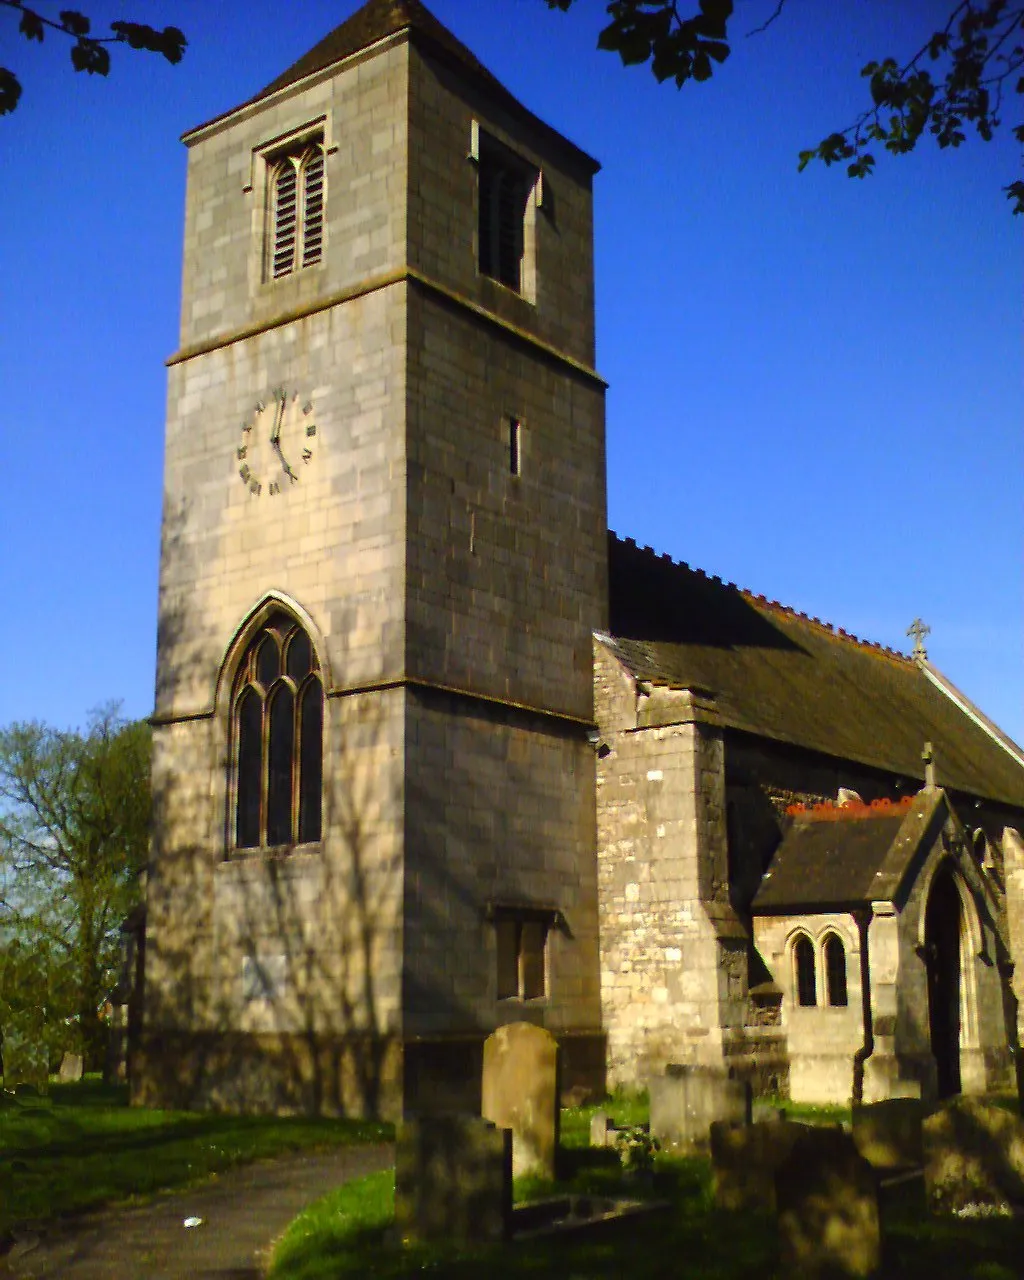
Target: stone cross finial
column 918, row 630
column 928, row 756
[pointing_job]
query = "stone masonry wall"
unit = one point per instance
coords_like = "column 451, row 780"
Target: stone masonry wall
column 558, row 306
column 668, row 988
column 506, row 574
column 408, row 551
column 363, row 111
column 498, row 812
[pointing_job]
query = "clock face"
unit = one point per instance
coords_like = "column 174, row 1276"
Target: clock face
column 277, row 444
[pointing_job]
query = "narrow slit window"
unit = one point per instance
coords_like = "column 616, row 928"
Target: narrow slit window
column 281, row 755
column 515, row 447
column 806, row 982
column 312, row 206
column 835, row 971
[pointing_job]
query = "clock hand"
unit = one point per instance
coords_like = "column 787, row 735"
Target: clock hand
column 275, row 435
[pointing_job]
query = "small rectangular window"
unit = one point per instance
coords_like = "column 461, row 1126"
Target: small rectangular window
column 505, row 184
column 515, row 455
column 263, row 978
column 522, row 969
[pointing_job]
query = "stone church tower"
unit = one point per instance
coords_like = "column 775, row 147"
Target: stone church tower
column 383, row 559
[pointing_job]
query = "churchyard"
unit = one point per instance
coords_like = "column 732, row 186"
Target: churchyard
column 351, row 1231
column 698, row 1181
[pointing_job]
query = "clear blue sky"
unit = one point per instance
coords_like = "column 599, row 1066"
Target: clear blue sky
column 815, row 384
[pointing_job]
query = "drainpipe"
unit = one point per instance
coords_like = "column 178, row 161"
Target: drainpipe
column 863, row 920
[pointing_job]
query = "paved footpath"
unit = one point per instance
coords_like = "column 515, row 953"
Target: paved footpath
column 243, row 1212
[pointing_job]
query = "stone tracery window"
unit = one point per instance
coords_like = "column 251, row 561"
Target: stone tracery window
column 277, row 712
column 803, row 965
column 295, row 223
column 835, row 971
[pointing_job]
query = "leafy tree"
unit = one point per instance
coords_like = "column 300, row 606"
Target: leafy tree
column 74, row 838
column 89, row 52
column 955, row 81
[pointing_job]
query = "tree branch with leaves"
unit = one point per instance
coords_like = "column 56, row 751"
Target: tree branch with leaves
column 957, row 80
column 89, row 52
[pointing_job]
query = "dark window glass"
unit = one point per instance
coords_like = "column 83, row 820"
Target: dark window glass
column 278, row 739
column 311, row 739
column 268, row 662
column 250, row 769
column 281, row 757
column 520, row 945
column 806, row 984
column 300, row 657
column 505, row 183
column 514, row 451
column 531, row 959
column 835, row 971
column 507, row 932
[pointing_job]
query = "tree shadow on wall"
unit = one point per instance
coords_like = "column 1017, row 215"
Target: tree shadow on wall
column 273, row 975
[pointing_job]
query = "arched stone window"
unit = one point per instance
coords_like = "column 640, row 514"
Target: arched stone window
column 297, row 210
column 277, row 716
column 835, row 971
column 803, row 966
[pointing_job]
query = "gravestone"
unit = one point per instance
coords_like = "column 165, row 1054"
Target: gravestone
column 602, row 1131
column 744, row 1158
column 453, row 1180
column 520, row 1092
column 687, row 1100
column 973, row 1154
column 827, row 1204
column 888, row 1134
column 70, row 1068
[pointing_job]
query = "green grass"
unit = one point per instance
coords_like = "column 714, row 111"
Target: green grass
column 349, row 1232
column 84, row 1146
column 624, row 1108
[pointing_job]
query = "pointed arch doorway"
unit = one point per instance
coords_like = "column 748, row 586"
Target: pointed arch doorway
column 943, row 930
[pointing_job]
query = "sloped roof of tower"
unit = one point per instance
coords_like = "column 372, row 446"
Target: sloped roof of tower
column 781, row 675
column 378, row 20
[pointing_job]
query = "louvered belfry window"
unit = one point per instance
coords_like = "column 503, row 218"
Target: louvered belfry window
column 277, row 727
column 297, row 210
column 505, row 185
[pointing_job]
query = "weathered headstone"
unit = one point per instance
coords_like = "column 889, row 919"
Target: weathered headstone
column 687, row 1100
column 520, row 1092
column 602, row 1131
column 453, row 1180
column 744, row 1158
column 827, row 1203
column 973, row 1154
column 888, row 1134
column 70, row 1068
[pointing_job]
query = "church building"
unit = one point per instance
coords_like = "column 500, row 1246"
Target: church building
column 433, row 751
